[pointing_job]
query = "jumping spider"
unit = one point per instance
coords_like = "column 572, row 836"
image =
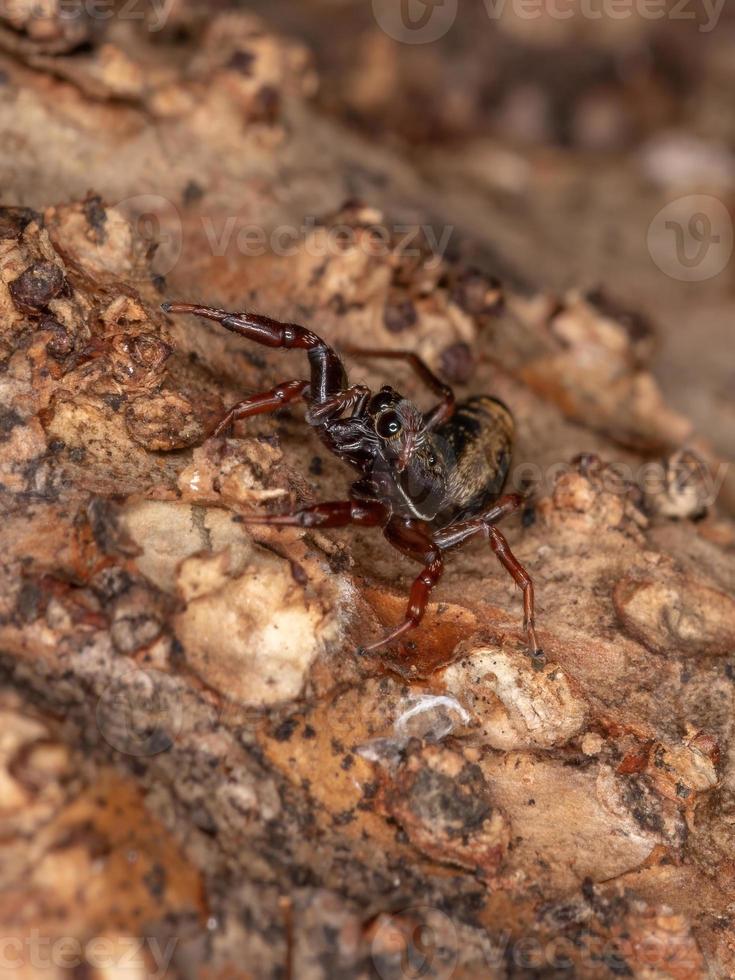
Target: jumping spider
column 431, row 480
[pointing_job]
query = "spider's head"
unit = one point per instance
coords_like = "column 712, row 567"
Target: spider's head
column 411, row 453
column 398, row 425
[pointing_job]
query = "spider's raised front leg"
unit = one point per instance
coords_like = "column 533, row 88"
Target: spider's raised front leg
column 352, row 399
column 327, row 374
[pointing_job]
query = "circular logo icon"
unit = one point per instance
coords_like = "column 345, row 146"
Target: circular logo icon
column 138, row 713
column 415, row 943
column 415, row 21
column 691, row 239
column 155, row 235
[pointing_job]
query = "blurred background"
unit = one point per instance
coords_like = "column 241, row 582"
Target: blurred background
column 600, row 132
column 568, row 143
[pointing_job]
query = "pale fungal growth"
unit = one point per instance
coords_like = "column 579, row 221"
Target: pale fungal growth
column 382, row 751
column 514, row 704
column 431, row 717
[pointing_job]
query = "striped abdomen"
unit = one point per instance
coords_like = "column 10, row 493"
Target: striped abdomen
column 479, row 439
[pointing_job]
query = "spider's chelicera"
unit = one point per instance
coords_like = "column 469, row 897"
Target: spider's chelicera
column 431, row 480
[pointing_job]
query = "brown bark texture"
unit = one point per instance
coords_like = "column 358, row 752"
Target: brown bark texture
column 200, row 775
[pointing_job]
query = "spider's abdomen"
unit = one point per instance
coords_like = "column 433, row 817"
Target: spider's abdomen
column 479, row 439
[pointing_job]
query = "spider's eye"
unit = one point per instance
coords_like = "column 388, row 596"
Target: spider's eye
column 388, row 425
column 379, row 402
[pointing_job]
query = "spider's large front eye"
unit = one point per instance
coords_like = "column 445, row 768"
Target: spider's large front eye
column 389, row 425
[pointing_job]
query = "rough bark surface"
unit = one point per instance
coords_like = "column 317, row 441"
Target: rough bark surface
column 192, row 752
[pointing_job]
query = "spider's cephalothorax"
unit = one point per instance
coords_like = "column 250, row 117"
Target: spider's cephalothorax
column 430, row 480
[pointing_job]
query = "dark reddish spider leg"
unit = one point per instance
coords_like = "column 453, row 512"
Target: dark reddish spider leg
column 327, row 374
column 333, row 513
column 458, row 534
column 462, row 531
column 521, row 577
column 414, row 542
column 268, row 401
column 445, row 409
